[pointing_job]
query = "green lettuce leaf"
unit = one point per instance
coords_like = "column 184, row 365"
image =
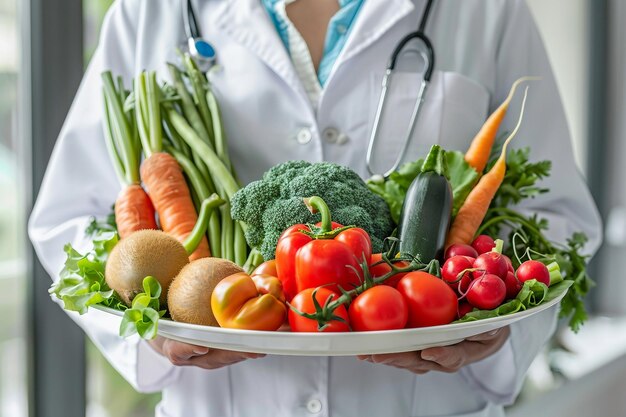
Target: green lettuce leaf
column 81, row 281
column 143, row 316
column 393, row 190
column 532, row 294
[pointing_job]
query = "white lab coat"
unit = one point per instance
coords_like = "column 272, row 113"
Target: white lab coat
column 480, row 46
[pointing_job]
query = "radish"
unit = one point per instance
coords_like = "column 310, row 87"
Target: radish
column 533, row 270
column 513, row 285
column 483, row 244
column 464, row 308
column 509, row 264
column 490, row 263
column 460, row 249
column 486, row 292
column 453, row 268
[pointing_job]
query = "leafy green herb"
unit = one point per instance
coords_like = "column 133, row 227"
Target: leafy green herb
column 393, row 190
column 520, row 180
column 99, row 226
column 144, row 314
column 81, row 283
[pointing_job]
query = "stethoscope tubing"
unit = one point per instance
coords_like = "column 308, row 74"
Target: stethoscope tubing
column 429, row 59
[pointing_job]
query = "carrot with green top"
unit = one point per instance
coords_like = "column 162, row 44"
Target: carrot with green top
column 473, row 210
column 478, row 153
column 133, row 208
column 160, row 172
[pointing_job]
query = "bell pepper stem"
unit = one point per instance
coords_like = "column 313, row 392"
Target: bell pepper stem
column 207, row 207
column 316, row 204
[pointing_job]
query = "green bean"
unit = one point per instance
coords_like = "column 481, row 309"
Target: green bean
column 188, row 106
column 199, row 82
column 221, row 175
column 241, row 247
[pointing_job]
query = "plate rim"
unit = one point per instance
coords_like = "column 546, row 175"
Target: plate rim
column 399, row 332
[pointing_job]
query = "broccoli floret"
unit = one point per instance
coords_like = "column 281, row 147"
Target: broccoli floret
column 274, row 203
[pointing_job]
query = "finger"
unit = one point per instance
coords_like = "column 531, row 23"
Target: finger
column 450, row 358
column 178, row 352
column 407, row 360
column 218, row 358
column 487, row 336
column 454, row 357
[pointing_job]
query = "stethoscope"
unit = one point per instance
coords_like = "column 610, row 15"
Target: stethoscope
column 199, row 49
column 205, row 56
column 428, row 56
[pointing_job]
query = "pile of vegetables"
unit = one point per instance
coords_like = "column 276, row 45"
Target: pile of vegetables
column 272, row 204
column 310, row 246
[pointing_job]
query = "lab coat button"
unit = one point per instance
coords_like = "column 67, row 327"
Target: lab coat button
column 342, row 139
column 314, row 406
column 330, row 134
column 304, row 136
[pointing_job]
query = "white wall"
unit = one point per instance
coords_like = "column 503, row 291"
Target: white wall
column 564, row 28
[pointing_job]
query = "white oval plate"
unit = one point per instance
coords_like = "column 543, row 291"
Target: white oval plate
column 335, row 344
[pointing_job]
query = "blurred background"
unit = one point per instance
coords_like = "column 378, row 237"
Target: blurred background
column 48, row 368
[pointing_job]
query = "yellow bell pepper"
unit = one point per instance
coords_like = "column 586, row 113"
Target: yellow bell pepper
column 240, row 301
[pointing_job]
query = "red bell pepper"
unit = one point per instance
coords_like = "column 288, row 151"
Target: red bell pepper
column 328, row 254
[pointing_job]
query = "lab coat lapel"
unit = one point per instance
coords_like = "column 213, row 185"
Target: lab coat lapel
column 247, row 22
column 374, row 20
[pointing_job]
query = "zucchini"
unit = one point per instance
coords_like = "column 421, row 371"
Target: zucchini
column 427, row 210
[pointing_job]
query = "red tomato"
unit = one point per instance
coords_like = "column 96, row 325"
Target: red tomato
column 431, row 301
column 382, row 269
column 358, row 240
column 323, row 262
column 304, row 303
column 379, row 308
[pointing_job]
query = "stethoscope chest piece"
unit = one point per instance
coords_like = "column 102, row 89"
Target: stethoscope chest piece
column 203, row 52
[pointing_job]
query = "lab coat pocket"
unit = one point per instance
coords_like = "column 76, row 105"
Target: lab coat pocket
column 486, row 411
column 393, row 126
column 453, row 110
column 465, row 104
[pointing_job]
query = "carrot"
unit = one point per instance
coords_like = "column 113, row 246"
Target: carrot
column 473, row 210
column 160, row 172
column 478, row 153
column 168, row 190
column 133, row 209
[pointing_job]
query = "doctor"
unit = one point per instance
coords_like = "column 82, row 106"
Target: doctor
column 301, row 81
